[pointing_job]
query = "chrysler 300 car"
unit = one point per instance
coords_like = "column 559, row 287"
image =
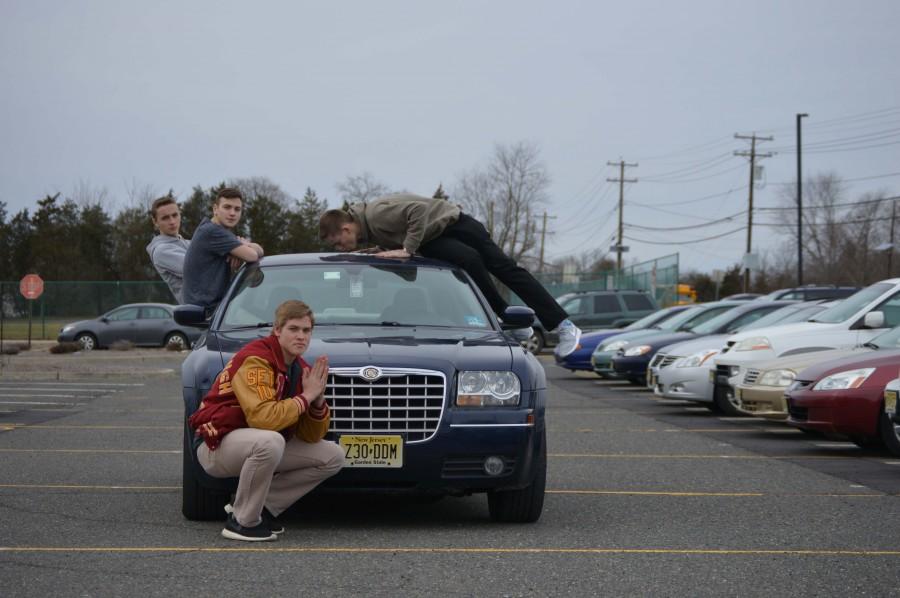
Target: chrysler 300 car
column 428, row 394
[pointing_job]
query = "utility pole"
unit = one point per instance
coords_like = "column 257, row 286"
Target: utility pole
column 891, row 245
column 621, row 180
column 491, row 219
column 799, row 205
column 543, row 236
column 753, row 156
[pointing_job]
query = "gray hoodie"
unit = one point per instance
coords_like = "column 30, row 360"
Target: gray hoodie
column 167, row 255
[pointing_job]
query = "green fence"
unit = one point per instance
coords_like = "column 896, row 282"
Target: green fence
column 67, row 301
column 659, row 276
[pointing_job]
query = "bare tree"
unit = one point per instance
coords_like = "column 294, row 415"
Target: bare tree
column 141, row 195
column 506, row 195
column 361, row 188
column 258, row 187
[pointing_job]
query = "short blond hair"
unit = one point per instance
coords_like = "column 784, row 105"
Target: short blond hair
column 292, row 309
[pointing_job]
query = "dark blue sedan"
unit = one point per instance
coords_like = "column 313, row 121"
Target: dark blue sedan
column 417, row 361
column 580, row 358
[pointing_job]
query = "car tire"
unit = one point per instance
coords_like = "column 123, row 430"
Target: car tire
column 525, row 504
column 725, row 402
column 179, row 339
column 638, row 380
column 890, row 433
column 87, row 341
column 535, row 344
column 198, row 503
column 867, row 442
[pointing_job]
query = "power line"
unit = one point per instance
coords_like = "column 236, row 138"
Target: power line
column 690, row 201
column 689, row 227
column 719, row 236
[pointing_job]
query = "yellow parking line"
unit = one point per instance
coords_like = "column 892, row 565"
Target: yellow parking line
column 722, row 457
column 113, row 451
column 85, row 487
column 426, row 550
column 729, row 494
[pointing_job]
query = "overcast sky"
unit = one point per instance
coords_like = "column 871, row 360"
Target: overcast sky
column 171, row 94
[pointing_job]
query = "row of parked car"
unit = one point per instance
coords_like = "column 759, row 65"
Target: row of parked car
column 828, row 365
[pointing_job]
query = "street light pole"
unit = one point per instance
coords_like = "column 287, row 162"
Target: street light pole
column 799, row 204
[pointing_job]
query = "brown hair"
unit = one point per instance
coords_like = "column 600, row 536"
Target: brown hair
column 292, row 309
column 160, row 202
column 228, row 193
column 331, row 221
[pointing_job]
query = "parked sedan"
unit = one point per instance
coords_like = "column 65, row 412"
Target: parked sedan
column 846, row 397
column 144, row 324
column 580, row 359
column 682, row 371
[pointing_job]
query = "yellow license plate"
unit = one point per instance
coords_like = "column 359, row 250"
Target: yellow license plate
column 712, row 376
column 372, row 451
column 890, row 401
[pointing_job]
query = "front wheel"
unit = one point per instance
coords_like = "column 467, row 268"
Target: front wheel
column 726, row 402
column 525, row 504
column 177, row 339
column 535, row 342
column 197, row 502
column 890, row 433
column 87, row 341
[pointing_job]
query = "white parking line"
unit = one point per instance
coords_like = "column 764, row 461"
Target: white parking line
column 839, row 445
column 37, row 403
column 70, row 384
column 26, row 396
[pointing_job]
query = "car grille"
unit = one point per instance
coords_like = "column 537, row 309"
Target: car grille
column 668, row 360
column 472, row 467
column 751, row 377
column 407, row 402
column 657, row 359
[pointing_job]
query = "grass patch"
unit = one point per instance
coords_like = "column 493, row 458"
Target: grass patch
column 46, row 329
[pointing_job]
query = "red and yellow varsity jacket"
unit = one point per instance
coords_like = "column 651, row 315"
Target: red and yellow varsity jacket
column 252, row 392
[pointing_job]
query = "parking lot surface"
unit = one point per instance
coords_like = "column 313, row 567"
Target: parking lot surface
column 645, row 496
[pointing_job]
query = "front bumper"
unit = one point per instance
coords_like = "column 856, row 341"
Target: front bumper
column 849, row 412
column 762, row 401
column 690, row 384
column 631, row 367
column 603, row 364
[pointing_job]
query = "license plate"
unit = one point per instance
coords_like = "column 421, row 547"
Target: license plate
column 372, row 451
column 890, row 401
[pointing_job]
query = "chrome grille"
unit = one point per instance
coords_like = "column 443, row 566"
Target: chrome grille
column 751, row 377
column 657, row 359
column 668, row 360
column 398, row 401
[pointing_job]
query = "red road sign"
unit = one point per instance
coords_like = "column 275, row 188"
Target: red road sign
column 31, row 286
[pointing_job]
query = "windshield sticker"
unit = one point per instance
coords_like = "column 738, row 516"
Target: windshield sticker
column 475, row 321
column 356, row 289
column 332, row 275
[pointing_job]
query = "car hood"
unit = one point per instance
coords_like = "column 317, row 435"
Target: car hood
column 80, row 324
column 695, row 345
column 632, row 336
column 802, row 361
column 662, row 339
column 871, row 359
column 443, row 349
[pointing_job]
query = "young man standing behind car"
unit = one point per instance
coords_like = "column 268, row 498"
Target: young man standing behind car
column 266, row 414
column 208, row 262
column 168, row 248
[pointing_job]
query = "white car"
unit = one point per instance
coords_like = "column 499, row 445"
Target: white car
column 682, row 370
column 851, row 323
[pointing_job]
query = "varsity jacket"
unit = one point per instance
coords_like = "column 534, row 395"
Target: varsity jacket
column 257, row 390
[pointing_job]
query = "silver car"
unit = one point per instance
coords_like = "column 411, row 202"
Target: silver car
column 144, row 324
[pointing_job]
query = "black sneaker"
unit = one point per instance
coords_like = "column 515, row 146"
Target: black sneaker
column 268, row 518
column 258, row 533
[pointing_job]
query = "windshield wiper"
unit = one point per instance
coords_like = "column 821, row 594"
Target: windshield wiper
column 248, row 326
column 871, row 345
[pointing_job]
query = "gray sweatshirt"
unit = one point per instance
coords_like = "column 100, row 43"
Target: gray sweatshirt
column 167, row 255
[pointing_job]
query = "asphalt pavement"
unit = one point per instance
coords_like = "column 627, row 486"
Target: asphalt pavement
column 645, row 497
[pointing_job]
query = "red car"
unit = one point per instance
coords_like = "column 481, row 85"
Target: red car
column 845, row 396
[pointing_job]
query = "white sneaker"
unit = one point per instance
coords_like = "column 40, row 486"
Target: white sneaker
column 569, row 335
column 522, row 334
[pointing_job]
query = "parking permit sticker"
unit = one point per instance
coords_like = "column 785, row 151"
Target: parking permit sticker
column 332, row 275
column 475, row 321
column 356, row 288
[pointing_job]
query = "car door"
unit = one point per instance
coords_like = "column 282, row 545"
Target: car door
column 118, row 325
column 606, row 310
column 152, row 325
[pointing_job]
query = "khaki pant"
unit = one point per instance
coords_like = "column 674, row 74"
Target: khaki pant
column 271, row 473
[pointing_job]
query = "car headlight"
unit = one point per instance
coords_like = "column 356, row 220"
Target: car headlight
column 697, row 359
column 844, row 380
column 487, row 389
column 613, row 346
column 777, row 378
column 638, row 350
column 754, row 343
column 66, row 328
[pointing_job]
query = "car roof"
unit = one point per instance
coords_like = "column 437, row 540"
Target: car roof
column 307, row 259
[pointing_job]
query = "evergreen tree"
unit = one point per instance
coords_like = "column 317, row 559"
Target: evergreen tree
column 131, row 232
column 303, row 232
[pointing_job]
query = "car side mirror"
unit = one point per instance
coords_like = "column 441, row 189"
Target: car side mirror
column 191, row 315
column 104, row 319
column 874, row 319
column 517, row 316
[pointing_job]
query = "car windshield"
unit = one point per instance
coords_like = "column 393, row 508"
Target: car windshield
column 654, row 318
column 886, row 340
column 704, row 314
column 788, row 314
column 358, row 294
column 680, row 318
column 852, row 304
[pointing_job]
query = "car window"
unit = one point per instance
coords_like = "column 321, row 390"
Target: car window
column 637, row 302
column 891, row 311
column 705, row 316
column 792, row 295
column 852, row 304
column 126, row 313
column 604, row 304
column 154, row 313
column 656, row 317
column 577, row 306
column 785, row 315
column 887, row 340
column 358, row 294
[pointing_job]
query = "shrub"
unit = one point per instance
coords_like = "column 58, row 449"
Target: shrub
column 10, row 350
column 65, row 348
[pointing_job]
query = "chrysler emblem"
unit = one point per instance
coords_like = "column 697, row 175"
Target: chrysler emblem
column 371, row 373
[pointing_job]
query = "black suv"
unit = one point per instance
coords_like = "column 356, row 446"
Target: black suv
column 590, row 310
